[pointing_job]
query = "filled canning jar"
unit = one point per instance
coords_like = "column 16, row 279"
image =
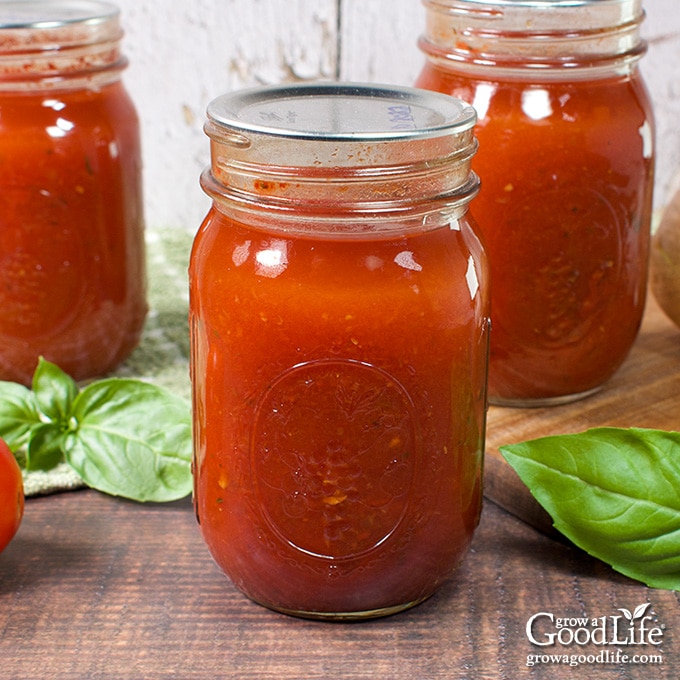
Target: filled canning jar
column 72, row 270
column 339, row 329
column 566, row 158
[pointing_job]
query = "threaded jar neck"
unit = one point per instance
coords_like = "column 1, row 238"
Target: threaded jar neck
column 551, row 38
column 341, row 158
column 59, row 44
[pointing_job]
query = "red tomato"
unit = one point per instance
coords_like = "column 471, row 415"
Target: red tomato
column 11, row 495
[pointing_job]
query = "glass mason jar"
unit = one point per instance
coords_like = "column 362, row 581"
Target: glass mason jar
column 72, row 272
column 339, row 329
column 566, row 160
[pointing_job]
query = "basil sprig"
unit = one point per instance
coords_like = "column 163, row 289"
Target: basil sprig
column 613, row 492
column 124, row 437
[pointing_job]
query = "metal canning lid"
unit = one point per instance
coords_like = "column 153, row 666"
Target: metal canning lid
column 334, row 158
column 50, row 14
column 340, row 112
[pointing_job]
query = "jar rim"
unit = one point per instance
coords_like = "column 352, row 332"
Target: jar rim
column 588, row 38
column 539, row 4
column 341, row 152
column 59, row 44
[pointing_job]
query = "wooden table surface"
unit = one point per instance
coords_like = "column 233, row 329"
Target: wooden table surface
column 94, row 587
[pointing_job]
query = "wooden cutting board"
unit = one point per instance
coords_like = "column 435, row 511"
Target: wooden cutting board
column 645, row 392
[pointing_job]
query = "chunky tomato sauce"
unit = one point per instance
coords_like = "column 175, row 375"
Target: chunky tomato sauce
column 564, row 212
column 339, row 391
column 72, row 284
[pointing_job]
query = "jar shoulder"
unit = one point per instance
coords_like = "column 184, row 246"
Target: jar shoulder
column 578, row 97
column 61, row 113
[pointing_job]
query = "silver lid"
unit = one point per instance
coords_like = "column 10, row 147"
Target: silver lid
column 48, row 14
column 334, row 112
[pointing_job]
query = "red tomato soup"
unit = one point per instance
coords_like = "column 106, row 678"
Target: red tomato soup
column 566, row 162
column 72, row 280
column 339, row 384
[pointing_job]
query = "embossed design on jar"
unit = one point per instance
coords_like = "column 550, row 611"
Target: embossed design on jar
column 334, row 449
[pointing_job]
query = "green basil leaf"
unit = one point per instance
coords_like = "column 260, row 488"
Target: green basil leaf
column 131, row 439
column 45, row 448
column 18, row 414
column 54, row 390
column 613, row 492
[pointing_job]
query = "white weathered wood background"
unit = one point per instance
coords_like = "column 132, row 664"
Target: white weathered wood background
column 183, row 53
